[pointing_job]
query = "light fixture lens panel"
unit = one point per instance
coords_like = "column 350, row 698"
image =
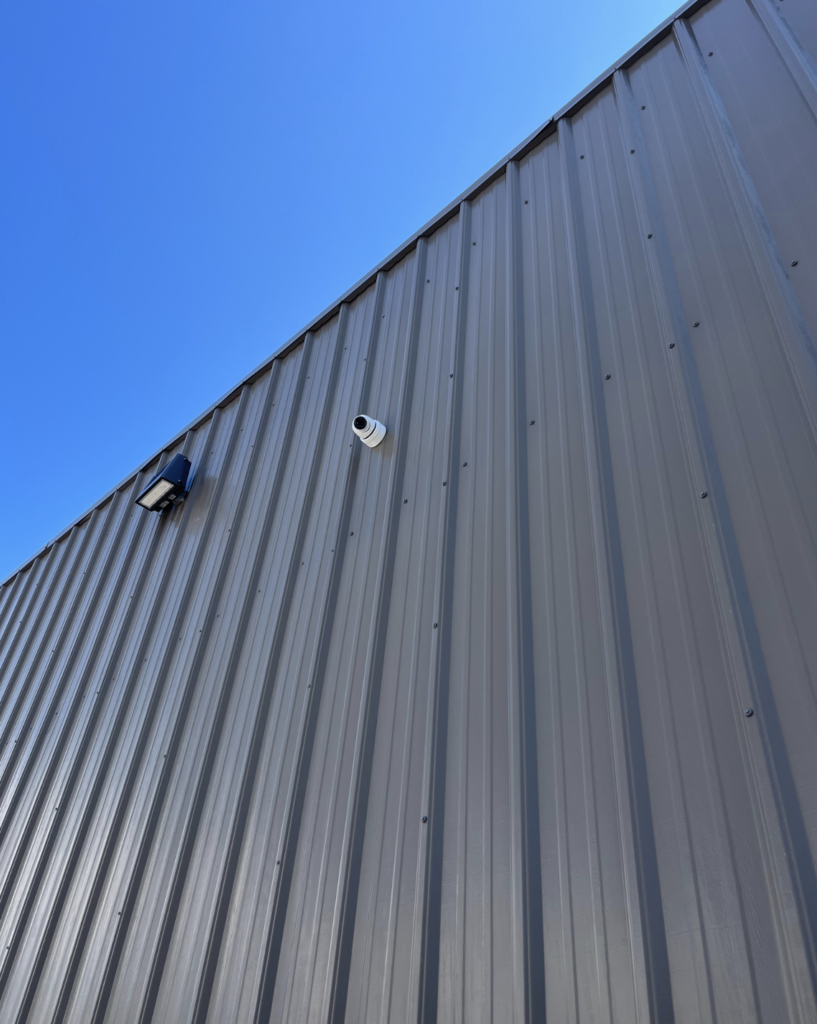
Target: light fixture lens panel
column 156, row 493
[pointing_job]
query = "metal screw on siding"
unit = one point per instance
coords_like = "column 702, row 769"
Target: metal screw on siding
column 352, row 533
column 710, row 53
column 697, row 323
column 749, row 712
column 632, row 151
column 435, row 625
column 582, row 157
column 643, row 107
column 451, row 375
column 607, row 376
column 444, row 482
column 649, row 236
column 794, row 263
column 532, row 422
column 425, row 819
column 473, row 243
column 405, row 501
column 428, row 280
column 672, row 344
column 464, row 465
column 704, row 494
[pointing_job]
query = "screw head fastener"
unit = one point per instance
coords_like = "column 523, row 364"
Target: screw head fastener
column 425, row 819
column 749, row 712
column 703, row 494
column 607, row 376
column 697, row 323
column 672, row 344
column 794, row 263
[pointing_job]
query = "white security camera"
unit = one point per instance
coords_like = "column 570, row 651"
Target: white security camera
column 369, row 430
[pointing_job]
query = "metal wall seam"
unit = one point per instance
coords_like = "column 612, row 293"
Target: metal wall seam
column 156, row 804
column 55, row 668
column 40, row 611
column 735, row 612
column 77, row 701
column 800, row 64
column 192, row 823
column 100, row 874
column 296, row 796
column 426, row 942
column 179, row 724
column 16, row 599
column 524, row 762
column 90, row 808
column 83, row 747
column 759, row 240
column 672, row 335
column 48, row 572
column 260, row 725
column 40, row 692
column 613, row 598
column 747, row 645
column 304, row 912
column 349, row 878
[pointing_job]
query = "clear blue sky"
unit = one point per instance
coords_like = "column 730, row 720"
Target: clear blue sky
column 184, row 185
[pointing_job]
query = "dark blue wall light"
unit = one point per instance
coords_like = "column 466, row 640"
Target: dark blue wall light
column 167, row 486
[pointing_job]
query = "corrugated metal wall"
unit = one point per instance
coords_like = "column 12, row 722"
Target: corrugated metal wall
column 455, row 729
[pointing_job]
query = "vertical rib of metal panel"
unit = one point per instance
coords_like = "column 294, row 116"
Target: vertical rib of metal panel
column 513, row 717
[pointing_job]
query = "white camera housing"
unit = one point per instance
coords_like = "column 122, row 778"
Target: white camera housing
column 370, row 431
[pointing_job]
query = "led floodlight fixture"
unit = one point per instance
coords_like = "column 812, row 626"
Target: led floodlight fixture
column 167, row 486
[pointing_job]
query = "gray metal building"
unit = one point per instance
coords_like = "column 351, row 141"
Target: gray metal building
column 513, row 717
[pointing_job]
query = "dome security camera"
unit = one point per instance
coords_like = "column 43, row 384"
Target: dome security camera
column 370, row 431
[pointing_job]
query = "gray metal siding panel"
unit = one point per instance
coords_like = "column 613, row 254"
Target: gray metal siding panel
column 221, row 729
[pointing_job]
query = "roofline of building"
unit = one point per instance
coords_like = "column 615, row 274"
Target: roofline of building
column 534, row 139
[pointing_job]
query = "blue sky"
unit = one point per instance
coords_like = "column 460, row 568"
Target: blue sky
column 184, row 185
